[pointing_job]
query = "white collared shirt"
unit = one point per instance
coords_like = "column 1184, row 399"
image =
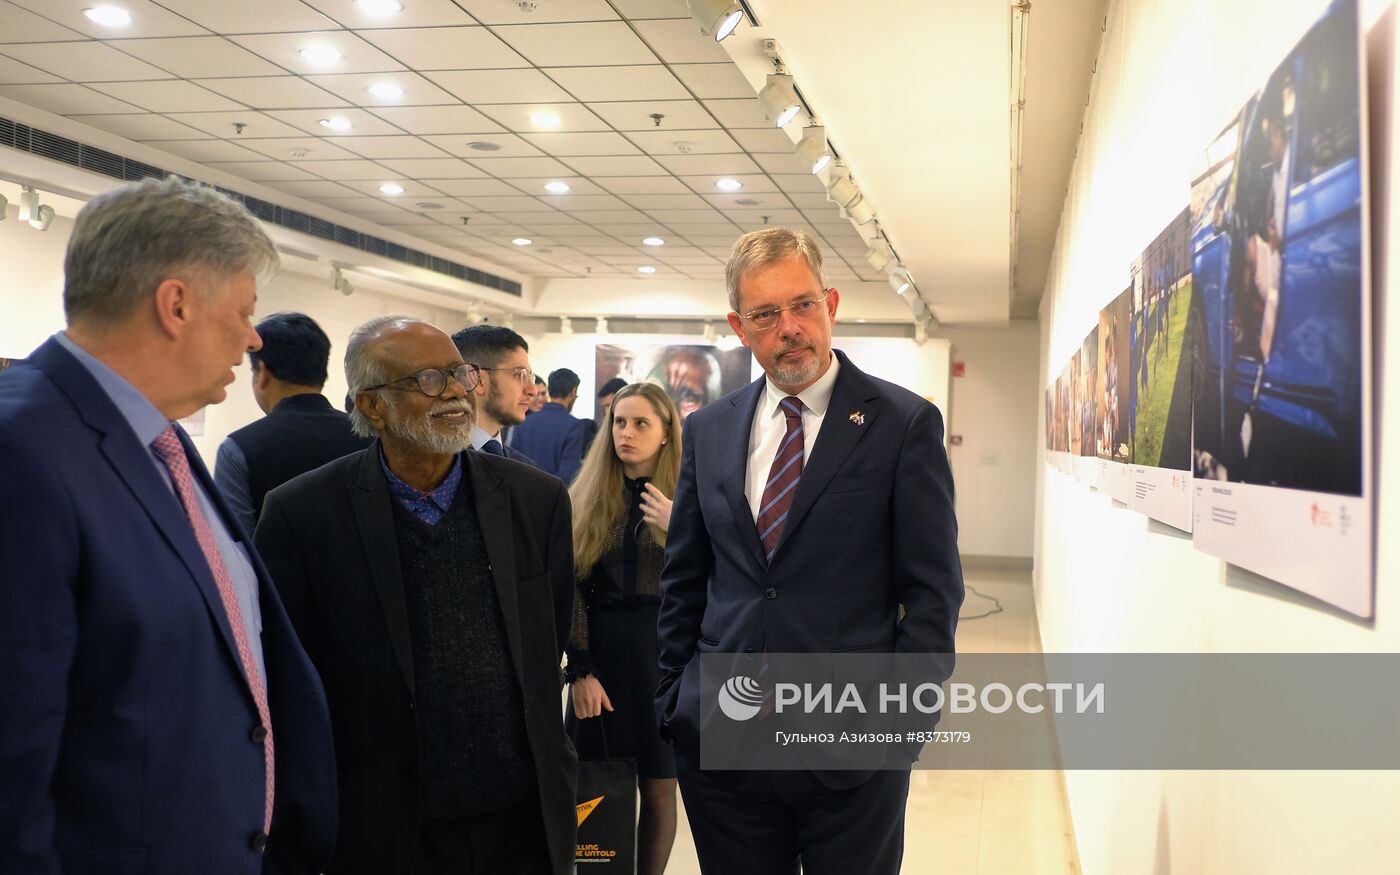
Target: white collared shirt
column 480, row 437
column 770, row 424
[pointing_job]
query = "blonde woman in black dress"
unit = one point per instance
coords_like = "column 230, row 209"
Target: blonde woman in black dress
column 622, row 508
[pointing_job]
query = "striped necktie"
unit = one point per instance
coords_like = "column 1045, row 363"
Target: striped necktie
column 782, row 479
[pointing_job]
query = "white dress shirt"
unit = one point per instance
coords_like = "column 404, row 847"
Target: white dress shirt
column 770, row 424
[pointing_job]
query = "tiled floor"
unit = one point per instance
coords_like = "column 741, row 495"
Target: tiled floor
column 967, row 822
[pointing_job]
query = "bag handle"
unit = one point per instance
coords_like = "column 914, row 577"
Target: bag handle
column 602, row 732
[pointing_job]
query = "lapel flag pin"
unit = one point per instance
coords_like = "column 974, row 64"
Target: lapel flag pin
column 858, row 418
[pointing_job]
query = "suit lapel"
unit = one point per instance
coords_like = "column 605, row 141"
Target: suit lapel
column 735, row 432
column 374, row 517
column 839, row 434
column 493, row 514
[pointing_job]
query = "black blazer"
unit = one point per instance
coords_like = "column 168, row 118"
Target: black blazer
column 871, row 529
column 328, row 537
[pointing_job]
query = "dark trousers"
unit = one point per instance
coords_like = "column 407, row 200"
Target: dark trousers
column 509, row 842
column 765, row 823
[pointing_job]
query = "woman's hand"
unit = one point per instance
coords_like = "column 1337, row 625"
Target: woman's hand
column 589, row 698
column 656, row 508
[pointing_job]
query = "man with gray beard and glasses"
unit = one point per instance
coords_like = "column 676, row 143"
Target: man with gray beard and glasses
column 432, row 588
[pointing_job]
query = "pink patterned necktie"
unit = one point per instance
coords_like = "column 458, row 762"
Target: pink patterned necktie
column 782, row 479
column 172, row 452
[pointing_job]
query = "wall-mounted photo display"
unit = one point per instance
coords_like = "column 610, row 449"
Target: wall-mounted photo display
column 692, row 374
column 1282, row 388
column 1088, row 464
column 1159, row 378
column 1113, row 438
column 1062, row 402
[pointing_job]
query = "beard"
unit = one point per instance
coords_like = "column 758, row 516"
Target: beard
column 498, row 411
column 795, row 374
column 429, row 436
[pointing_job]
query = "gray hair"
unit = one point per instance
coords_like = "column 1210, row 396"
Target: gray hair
column 127, row 241
column 362, row 369
column 759, row 249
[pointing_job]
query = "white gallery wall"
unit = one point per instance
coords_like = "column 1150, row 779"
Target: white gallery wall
column 1169, row 75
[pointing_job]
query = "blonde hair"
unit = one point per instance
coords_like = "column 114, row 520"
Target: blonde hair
column 758, row 249
column 597, row 493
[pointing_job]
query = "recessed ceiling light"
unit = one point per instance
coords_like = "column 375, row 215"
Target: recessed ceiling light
column 338, row 123
column 654, row 241
column 391, row 188
column 321, row 55
column 379, row 7
column 522, row 241
column 386, row 91
column 545, row 119
column 646, row 268
column 556, row 187
column 108, row 16
column 728, row 184
column 483, row 146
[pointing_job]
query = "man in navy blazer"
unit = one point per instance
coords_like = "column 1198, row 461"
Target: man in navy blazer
column 160, row 715
column 553, row 438
column 812, row 506
column 507, row 385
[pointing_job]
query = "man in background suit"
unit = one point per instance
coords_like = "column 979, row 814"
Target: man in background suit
column 301, row 430
column 160, row 715
column 507, row 385
column 433, row 588
column 812, row 505
column 553, row 437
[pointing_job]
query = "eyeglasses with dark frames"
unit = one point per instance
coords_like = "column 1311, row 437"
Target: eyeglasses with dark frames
column 766, row 318
column 433, row 381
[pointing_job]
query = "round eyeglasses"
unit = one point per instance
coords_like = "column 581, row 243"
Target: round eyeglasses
column 433, row 381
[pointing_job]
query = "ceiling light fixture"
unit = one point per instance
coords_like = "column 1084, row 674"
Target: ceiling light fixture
column 522, row 241
column 710, row 334
column 566, row 325
column 861, row 210
column 379, row 7
column 391, row 188
column 340, row 283
column 646, row 268
column 900, row 280
column 108, row 16
column 386, row 91
column 779, row 99
column 879, row 255
column 338, row 123
column 4, row 204
column 38, row 215
column 545, row 119
column 654, row 241
column 717, row 18
column 601, row 325
column 321, row 55
column 557, row 187
column 727, row 184
column 841, row 189
column 812, row 148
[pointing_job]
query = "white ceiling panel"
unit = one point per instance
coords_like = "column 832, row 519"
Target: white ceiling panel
column 142, row 127
column 201, row 57
column 84, row 61
column 572, row 117
column 348, row 171
column 679, row 41
column 508, row 167
column 354, row 87
column 572, row 203
column 478, row 87
column 727, row 165
column 445, row 48
column 416, row 13
column 582, row 144
column 273, row 92
column 204, row 150
column 768, row 139
column 263, row 170
column 739, row 113
column 750, row 220
column 799, row 182
column 638, row 10
column 577, row 45
column 412, row 191
column 284, row 49
column 363, row 123
column 14, row 73
column 469, row 188
column 502, row 204
column 751, row 183
column 613, row 217
column 686, row 218
column 593, row 84
column 676, row 115
column 713, row 81
column 658, row 143
column 282, row 148
column 315, row 188
column 170, row 95
column 530, row 219
column 650, row 202
column 617, row 165
column 536, row 186
column 468, row 146
column 147, row 19
column 250, row 16
column 424, row 120
column 643, row 185
column 782, row 163
column 67, row 99
column 433, row 168
column 391, row 147
column 19, row 25
column 497, row 12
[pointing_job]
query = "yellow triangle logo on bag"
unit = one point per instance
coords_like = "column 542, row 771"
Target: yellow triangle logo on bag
column 586, row 809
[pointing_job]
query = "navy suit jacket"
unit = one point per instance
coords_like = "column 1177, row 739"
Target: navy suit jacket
column 553, row 439
column 126, row 732
column 871, row 529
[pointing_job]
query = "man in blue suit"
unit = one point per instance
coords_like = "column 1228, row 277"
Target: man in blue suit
column 812, row 506
column 160, row 715
column 553, row 438
column 506, row 389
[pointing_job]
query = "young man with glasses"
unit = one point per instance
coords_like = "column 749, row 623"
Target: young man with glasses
column 814, row 514
column 433, row 588
column 507, row 385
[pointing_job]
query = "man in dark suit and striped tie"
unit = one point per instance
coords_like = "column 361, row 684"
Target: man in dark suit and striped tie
column 812, row 506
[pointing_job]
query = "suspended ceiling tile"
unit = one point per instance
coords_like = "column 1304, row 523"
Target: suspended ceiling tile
column 714, row 81
column 147, row 19
column 354, row 87
column 643, row 185
column 263, row 170
column 315, row 189
column 418, row 13
column 630, row 231
column 424, row 120
column 687, row 218
column 273, row 92
column 705, row 185
column 19, row 25
column 720, row 165
column 782, row 163
column 573, row 204
column 582, row 144
column 667, row 201
column 677, row 116
column 412, row 191
column 347, row 171
column 679, row 41
column 637, row 10
column 577, row 45
column 573, row 117
column 67, row 99
column 501, row 204
column 205, row 150
column 282, row 148
column 496, row 12
column 739, row 113
column 536, row 186
column 612, row 217
column 142, row 127
column 770, row 200
column 508, row 167
column 445, row 48
column 250, row 16
column 769, row 139
column 811, row 201
column 391, row 147
column 284, row 49
column 757, row 218
column 478, row 87
column 469, row 188
column 532, row 218
column 84, row 62
column 172, row 95
column 433, row 168
column 799, row 183
column 659, row 143
column 628, row 83
column 12, row 72
column 202, row 57
column 466, row 146
column 621, row 165
column 363, row 124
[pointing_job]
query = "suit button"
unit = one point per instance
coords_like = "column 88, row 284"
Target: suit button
column 259, row 842
column 259, row 734
column 770, row 593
